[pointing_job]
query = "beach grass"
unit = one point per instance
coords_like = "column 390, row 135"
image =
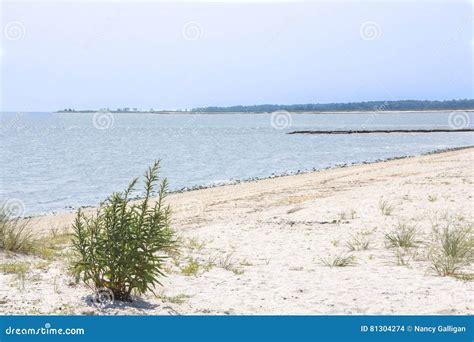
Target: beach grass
column 340, row 260
column 191, row 268
column 177, row 299
column 386, row 207
column 358, row 242
column 19, row 267
column 452, row 248
column 405, row 255
column 15, row 233
column 404, row 235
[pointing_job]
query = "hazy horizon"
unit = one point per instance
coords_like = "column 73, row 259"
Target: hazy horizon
column 131, row 108
column 183, row 55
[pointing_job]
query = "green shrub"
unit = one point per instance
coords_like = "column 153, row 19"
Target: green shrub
column 451, row 249
column 123, row 246
column 15, row 234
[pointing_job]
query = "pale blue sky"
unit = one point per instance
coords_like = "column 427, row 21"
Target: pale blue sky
column 96, row 55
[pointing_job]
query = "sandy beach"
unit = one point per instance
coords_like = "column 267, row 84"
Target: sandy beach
column 259, row 247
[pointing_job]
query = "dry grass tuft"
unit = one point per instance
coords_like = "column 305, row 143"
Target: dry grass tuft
column 451, row 248
column 15, row 233
column 341, row 260
column 403, row 236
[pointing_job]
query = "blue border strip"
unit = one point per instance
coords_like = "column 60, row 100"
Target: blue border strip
column 237, row 328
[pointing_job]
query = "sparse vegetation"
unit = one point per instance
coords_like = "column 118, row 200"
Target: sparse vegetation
column 353, row 214
column 15, row 267
column 195, row 244
column 123, row 246
column 405, row 255
column 451, row 248
column 358, row 242
column 341, row 216
column 432, row 198
column 386, row 207
column 178, row 299
column 403, row 236
column 339, row 260
column 191, row 268
column 464, row 276
column 15, row 234
column 226, row 262
column 245, row 262
column 50, row 247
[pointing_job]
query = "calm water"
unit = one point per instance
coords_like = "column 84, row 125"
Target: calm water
column 54, row 161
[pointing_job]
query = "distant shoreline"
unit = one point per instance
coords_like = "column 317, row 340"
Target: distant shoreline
column 384, row 106
column 168, row 112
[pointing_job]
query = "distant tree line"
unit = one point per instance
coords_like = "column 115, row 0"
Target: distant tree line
column 349, row 106
column 378, row 106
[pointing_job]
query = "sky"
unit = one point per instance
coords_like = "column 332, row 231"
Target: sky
column 168, row 55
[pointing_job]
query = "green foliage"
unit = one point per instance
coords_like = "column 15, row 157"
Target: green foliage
column 15, row 235
column 403, row 236
column 358, row 242
column 351, row 106
column 191, row 268
column 339, row 260
column 123, row 246
column 52, row 246
column 178, row 299
column 451, row 249
column 15, row 267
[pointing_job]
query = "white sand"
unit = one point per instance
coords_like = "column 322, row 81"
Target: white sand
column 275, row 232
